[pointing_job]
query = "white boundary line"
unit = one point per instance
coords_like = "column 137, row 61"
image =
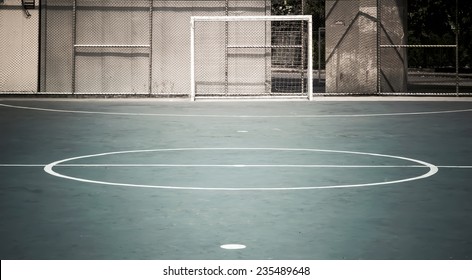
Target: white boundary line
column 218, row 165
column 235, row 165
column 235, row 116
column 42, row 97
column 49, row 169
column 21, row 165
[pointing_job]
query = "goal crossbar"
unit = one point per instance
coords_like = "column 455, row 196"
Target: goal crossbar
column 251, row 18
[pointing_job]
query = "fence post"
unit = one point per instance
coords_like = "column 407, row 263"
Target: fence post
column 150, row 46
column 74, row 42
column 457, row 47
column 379, row 38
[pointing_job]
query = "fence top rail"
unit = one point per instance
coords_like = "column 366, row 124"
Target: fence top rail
column 252, row 18
column 418, row 46
column 264, row 46
column 110, row 46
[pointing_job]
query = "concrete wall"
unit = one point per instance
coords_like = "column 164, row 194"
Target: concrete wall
column 351, row 45
column 18, row 48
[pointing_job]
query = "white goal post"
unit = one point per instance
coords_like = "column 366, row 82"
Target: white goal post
column 251, row 56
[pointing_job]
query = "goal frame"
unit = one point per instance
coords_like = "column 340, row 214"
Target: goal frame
column 306, row 18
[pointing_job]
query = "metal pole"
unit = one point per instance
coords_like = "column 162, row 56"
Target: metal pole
column 310, row 58
column 457, row 47
column 379, row 38
column 74, row 41
column 302, row 24
column 192, row 59
column 150, row 47
column 40, row 34
column 319, row 56
column 226, row 48
column 302, row 74
column 268, row 52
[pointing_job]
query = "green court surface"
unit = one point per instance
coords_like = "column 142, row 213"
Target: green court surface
column 335, row 178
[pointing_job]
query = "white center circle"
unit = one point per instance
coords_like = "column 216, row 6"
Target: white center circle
column 432, row 169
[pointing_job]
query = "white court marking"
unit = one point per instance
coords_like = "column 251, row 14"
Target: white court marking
column 432, row 169
column 236, row 165
column 236, row 116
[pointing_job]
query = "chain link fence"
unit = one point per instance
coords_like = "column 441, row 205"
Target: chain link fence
column 125, row 46
column 112, row 48
column 251, row 56
column 397, row 47
column 19, row 41
column 424, row 58
column 142, row 47
column 171, row 42
column 351, row 40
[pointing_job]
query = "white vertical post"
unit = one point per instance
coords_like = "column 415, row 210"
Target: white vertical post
column 192, row 58
column 310, row 58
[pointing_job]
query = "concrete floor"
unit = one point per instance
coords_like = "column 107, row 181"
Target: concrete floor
column 334, row 180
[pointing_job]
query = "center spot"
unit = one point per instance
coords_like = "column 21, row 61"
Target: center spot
column 233, row 246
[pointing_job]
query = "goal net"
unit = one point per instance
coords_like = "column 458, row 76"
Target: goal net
column 251, row 56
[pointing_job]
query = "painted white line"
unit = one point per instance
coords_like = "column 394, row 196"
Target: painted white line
column 21, row 165
column 233, row 246
column 237, row 165
column 237, row 116
column 244, row 165
column 456, row 166
column 432, row 170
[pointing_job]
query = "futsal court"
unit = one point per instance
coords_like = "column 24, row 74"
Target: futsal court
column 335, row 178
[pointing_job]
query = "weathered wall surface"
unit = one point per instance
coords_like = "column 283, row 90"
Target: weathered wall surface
column 351, row 45
column 18, row 48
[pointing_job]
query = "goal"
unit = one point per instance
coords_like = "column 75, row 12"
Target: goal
column 251, row 56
